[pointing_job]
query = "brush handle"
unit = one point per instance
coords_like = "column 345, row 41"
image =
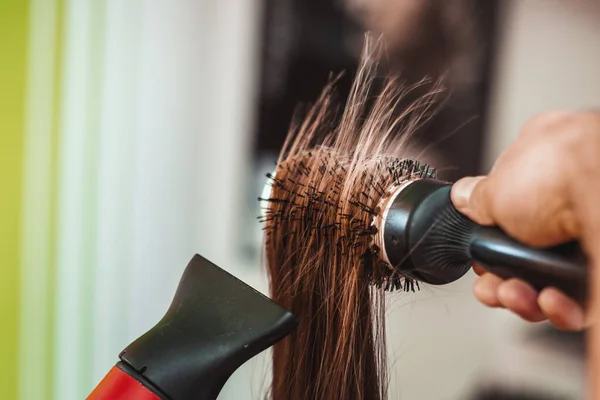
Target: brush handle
column 427, row 239
column 563, row 267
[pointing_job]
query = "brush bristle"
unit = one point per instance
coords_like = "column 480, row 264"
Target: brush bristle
column 326, row 200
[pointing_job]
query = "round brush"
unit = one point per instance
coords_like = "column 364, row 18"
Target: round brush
column 398, row 218
column 427, row 239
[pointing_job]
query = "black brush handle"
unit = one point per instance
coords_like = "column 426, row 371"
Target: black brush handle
column 563, row 267
column 427, row 239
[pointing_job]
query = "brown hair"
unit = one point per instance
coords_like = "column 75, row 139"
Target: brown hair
column 321, row 255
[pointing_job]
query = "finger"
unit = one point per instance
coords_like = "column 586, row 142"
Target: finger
column 486, row 289
column 521, row 299
column 469, row 197
column 564, row 313
column 478, row 269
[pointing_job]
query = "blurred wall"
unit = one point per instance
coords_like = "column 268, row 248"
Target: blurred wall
column 132, row 122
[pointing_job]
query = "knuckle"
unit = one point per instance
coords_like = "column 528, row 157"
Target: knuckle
column 563, row 124
column 580, row 144
column 573, row 137
column 543, row 123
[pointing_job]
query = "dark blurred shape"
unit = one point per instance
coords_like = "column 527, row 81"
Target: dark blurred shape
column 448, row 41
column 572, row 343
column 499, row 393
column 433, row 38
column 304, row 42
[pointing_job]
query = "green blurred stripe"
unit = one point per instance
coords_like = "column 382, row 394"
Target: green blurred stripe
column 56, row 124
column 14, row 16
column 44, row 74
column 90, row 226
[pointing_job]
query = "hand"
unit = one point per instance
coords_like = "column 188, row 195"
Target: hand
column 543, row 190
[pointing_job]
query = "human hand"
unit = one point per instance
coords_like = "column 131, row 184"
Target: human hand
column 543, row 190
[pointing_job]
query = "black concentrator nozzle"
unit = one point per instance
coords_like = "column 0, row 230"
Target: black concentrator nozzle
column 215, row 324
column 427, row 239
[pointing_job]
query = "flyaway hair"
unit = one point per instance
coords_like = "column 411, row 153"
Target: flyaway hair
column 322, row 254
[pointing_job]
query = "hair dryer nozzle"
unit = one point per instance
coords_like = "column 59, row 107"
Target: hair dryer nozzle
column 214, row 325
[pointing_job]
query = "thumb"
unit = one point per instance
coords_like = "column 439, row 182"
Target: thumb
column 469, row 196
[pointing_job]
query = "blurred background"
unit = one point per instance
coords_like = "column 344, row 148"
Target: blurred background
column 134, row 134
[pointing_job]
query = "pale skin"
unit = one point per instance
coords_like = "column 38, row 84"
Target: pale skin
column 545, row 190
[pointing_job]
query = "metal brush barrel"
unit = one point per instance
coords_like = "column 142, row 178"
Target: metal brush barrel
column 427, row 239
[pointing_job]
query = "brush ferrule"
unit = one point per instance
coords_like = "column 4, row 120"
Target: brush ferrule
column 379, row 222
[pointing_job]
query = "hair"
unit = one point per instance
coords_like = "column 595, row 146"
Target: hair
column 324, row 265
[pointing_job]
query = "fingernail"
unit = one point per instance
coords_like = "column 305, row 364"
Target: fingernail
column 462, row 190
